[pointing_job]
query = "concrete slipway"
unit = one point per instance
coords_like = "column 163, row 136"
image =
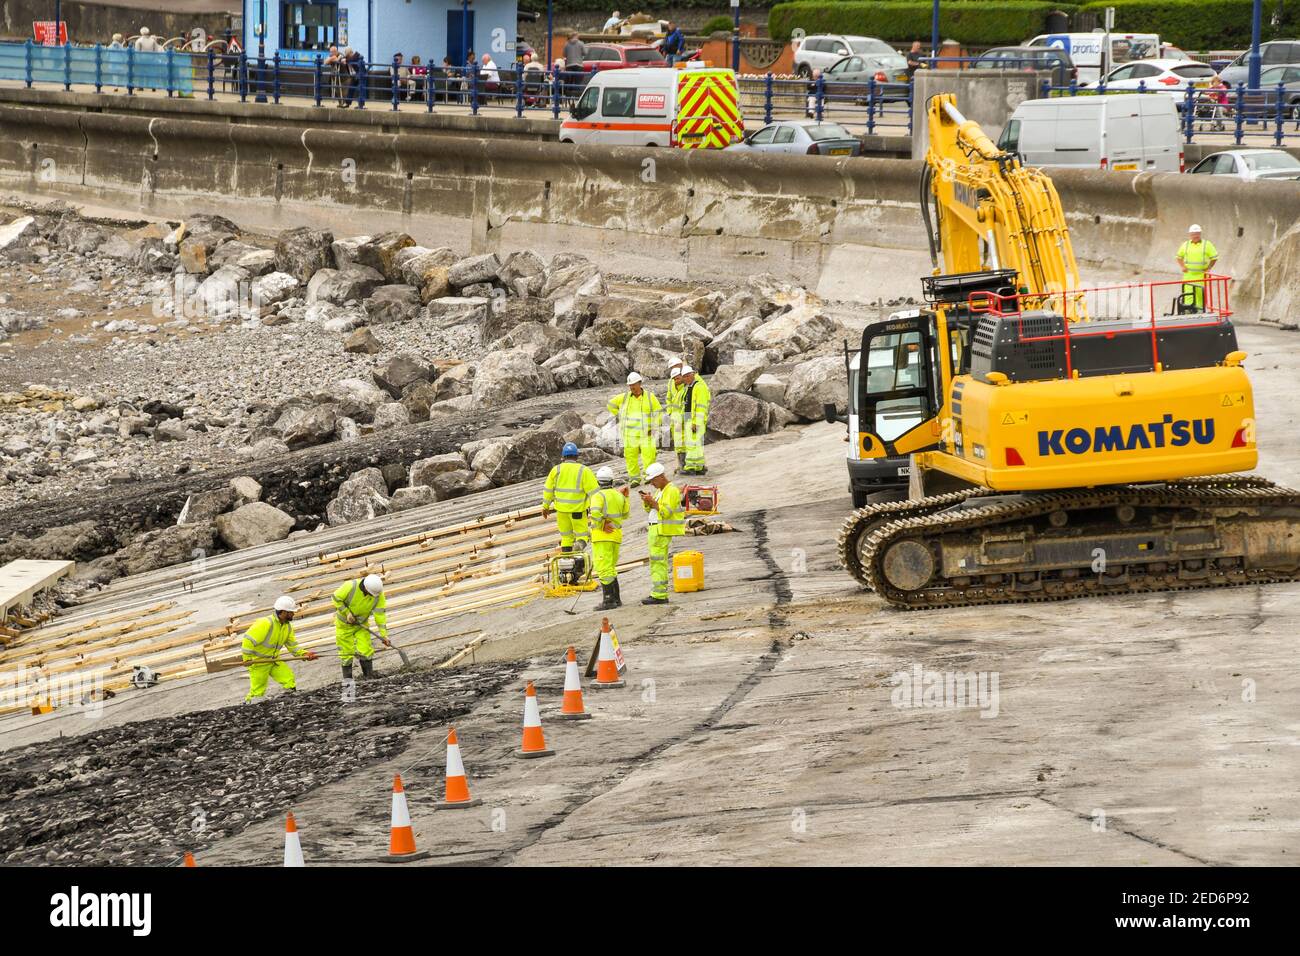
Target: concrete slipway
column 758, row 727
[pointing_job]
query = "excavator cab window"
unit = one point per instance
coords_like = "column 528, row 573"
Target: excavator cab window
column 895, row 396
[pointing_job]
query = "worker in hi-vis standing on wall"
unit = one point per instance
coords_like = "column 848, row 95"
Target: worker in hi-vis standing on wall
column 261, row 649
column 1196, row 257
column 355, row 603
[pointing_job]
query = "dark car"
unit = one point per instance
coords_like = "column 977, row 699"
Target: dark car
column 1272, row 53
column 852, row 76
column 1031, row 58
column 1263, row 105
column 620, row 56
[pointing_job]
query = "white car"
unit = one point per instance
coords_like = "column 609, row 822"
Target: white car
column 1250, row 164
column 1171, row 76
column 823, row 51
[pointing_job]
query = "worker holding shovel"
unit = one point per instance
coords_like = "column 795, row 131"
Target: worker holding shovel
column 261, row 649
column 355, row 603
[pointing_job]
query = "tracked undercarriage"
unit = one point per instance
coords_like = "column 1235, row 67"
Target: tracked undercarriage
column 981, row 547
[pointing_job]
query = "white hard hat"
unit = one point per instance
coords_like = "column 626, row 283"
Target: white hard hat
column 605, row 473
column 686, row 370
column 144, row 31
column 678, row 364
column 285, row 603
column 1194, row 227
column 654, row 471
column 633, row 378
column 373, row 584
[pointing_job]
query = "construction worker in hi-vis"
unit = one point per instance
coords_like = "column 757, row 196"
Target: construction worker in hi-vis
column 673, row 405
column 667, row 520
column 566, row 491
column 1196, row 257
column 609, row 509
column 695, row 419
column 355, row 603
column 261, row 649
column 640, row 417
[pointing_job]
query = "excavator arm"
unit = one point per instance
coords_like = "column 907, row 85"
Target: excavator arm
column 991, row 212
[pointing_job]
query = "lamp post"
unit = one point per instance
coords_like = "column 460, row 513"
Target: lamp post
column 934, row 29
column 58, row 18
column 735, row 36
column 1252, row 61
column 261, row 56
column 550, row 35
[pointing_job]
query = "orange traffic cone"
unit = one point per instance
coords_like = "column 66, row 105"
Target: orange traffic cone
column 572, row 708
column 457, row 786
column 606, row 663
column 401, row 840
column 189, row 859
column 292, row 845
column 534, row 744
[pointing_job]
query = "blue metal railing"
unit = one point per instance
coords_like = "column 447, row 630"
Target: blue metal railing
column 97, row 67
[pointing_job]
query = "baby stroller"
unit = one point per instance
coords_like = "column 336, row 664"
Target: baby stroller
column 1212, row 109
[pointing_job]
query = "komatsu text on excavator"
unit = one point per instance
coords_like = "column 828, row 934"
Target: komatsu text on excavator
column 1064, row 441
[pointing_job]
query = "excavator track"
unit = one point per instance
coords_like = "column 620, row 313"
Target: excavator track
column 981, row 547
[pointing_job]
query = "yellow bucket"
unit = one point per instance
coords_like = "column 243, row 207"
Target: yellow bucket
column 688, row 571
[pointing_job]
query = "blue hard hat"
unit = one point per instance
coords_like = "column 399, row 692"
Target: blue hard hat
column 570, row 450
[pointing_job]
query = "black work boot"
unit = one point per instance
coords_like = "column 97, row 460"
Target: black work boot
column 606, row 597
column 368, row 668
column 347, row 672
column 654, row 600
column 618, row 598
column 681, row 461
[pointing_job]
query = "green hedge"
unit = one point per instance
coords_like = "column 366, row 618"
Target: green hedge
column 991, row 24
column 720, row 23
column 1201, row 24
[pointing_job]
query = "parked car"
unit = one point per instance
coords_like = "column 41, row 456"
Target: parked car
column 1250, row 164
column 1263, row 105
column 823, row 51
column 1088, row 50
column 1124, row 133
column 1030, row 58
column 801, row 137
column 1172, row 76
column 1272, row 53
column 852, row 76
column 620, row 56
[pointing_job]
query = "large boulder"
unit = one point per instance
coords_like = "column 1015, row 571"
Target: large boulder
column 509, row 376
column 450, row 311
column 253, row 524
column 568, row 425
column 653, row 351
column 530, row 454
column 272, row 288
column 405, row 499
column 424, row 470
column 201, row 507
column 391, row 415
column 302, row 252
column 454, row 382
column 734, row 378
column 769, row 388
column 343, row 285
column 360, row 498
column 473, row 270
column 355, row 398
column 523, row 274
column 735, row 415
column 402, row 370
column 220, row 292
column 722, row 349
column 455, row 484
column 417, row 397
column 246, row 489
column 362, row 342
column 69, row 542
column 541, row 342
column 813, row 384
column 596, row 365
column 303, row 428
column 798, row 330
column 504, row 314
column 414, row 260
column 381, row 254
column 167, row 546
column 392, row 303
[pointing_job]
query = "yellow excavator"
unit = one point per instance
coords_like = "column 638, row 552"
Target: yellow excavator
column 1064, row 441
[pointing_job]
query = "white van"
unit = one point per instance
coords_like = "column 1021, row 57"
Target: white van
column 692, row 108
column 1086, row 50
column 1128, row 132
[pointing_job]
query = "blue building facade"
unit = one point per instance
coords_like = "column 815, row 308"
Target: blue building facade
column 377, row 29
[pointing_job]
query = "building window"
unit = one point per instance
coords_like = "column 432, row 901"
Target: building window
column 307, row 26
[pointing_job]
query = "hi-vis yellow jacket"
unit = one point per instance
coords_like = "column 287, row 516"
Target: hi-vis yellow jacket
column 351, row 596
column 568, row 486
column 263, row 641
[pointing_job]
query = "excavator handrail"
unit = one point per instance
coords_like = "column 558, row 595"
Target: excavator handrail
column 1214, row 310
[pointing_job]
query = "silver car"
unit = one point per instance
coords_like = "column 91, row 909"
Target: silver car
column 823, row 51
column 801, row 137
column 1250, row 164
